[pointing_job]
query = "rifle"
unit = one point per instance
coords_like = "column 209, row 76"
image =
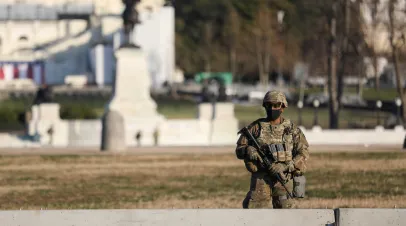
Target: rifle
column 265, row 163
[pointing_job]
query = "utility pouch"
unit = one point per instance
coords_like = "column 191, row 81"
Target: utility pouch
column 299, row 186
column 281, row 152
column 277, row 152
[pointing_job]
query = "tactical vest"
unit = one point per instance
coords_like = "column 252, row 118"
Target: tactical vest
column 280, row 136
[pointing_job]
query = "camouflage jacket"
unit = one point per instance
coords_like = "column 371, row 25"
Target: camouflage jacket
column 297, row 147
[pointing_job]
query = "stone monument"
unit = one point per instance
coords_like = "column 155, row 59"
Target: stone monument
column 130, row 117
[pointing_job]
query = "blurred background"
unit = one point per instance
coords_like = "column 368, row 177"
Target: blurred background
column 348, row 55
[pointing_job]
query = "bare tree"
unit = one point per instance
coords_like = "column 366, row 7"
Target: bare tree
column 375, row 22
column 332, row 68
column 207, row 45
column 359, row 45
column 344, row 42
column 232, row 30
column 344, row 53
column 396, row 29
column 262, row 31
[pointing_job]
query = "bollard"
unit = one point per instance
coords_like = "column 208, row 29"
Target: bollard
column 113, row 132
column 398, row 102
column 378, row 112
column 316, row 104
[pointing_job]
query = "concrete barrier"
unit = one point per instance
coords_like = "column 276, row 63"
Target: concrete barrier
column 371, row 217
column 8, row 141
column 84, row 133
column 189, row 132
column 204, row 217
column 209, row 217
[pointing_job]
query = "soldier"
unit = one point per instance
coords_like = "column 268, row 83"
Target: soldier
column 265, row 191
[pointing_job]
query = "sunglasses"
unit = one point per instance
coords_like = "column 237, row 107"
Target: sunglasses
column 273, row 105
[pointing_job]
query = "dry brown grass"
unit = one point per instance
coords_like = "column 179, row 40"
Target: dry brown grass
column 190, row 181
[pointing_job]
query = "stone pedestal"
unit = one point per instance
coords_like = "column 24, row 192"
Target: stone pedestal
column 184, row 132
column 84, row 133
column 379, row 128
column 399, row 128
column 317, row 129
column 219, row 128
column 32, row 124
column 46, row 125
column 205, row 111
column 224, row 125
column 131, row 101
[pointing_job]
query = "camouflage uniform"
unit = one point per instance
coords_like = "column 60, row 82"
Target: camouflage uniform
column 266, row 191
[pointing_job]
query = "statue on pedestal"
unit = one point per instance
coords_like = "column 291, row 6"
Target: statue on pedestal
column 130, row 19
column 130, row 117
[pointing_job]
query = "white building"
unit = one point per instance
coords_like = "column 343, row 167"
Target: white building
column 47, row 40
column 378, row 36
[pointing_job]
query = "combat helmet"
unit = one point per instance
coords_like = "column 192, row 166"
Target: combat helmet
column 275, row 96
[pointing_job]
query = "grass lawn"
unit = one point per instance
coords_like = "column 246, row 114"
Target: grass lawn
column 190, row 181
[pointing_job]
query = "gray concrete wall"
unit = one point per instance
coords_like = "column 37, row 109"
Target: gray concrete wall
column 371, row 217
column 209, row 217
column 201, row 217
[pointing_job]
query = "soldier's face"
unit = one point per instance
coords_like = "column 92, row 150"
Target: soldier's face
column 274, row 106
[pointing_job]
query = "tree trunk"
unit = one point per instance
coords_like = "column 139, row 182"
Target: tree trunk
column 332, row 69
column 399, row 82
column 404, row 107
column 343, row 58
column 361, row 76
column 360, row 51
column 233, row 61
column 263, row 77
column 207, row 65
column 232, row 37
column 267, row 64
column 208, row 36
column 376, row 74
column 374, row 16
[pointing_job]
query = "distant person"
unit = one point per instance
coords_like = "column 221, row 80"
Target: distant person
column 43, row 95
column 222, row 93
column 282, row 140
column 213, row 89
column 204, row 93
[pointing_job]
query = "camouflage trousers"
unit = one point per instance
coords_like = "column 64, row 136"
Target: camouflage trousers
column 267, row 193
